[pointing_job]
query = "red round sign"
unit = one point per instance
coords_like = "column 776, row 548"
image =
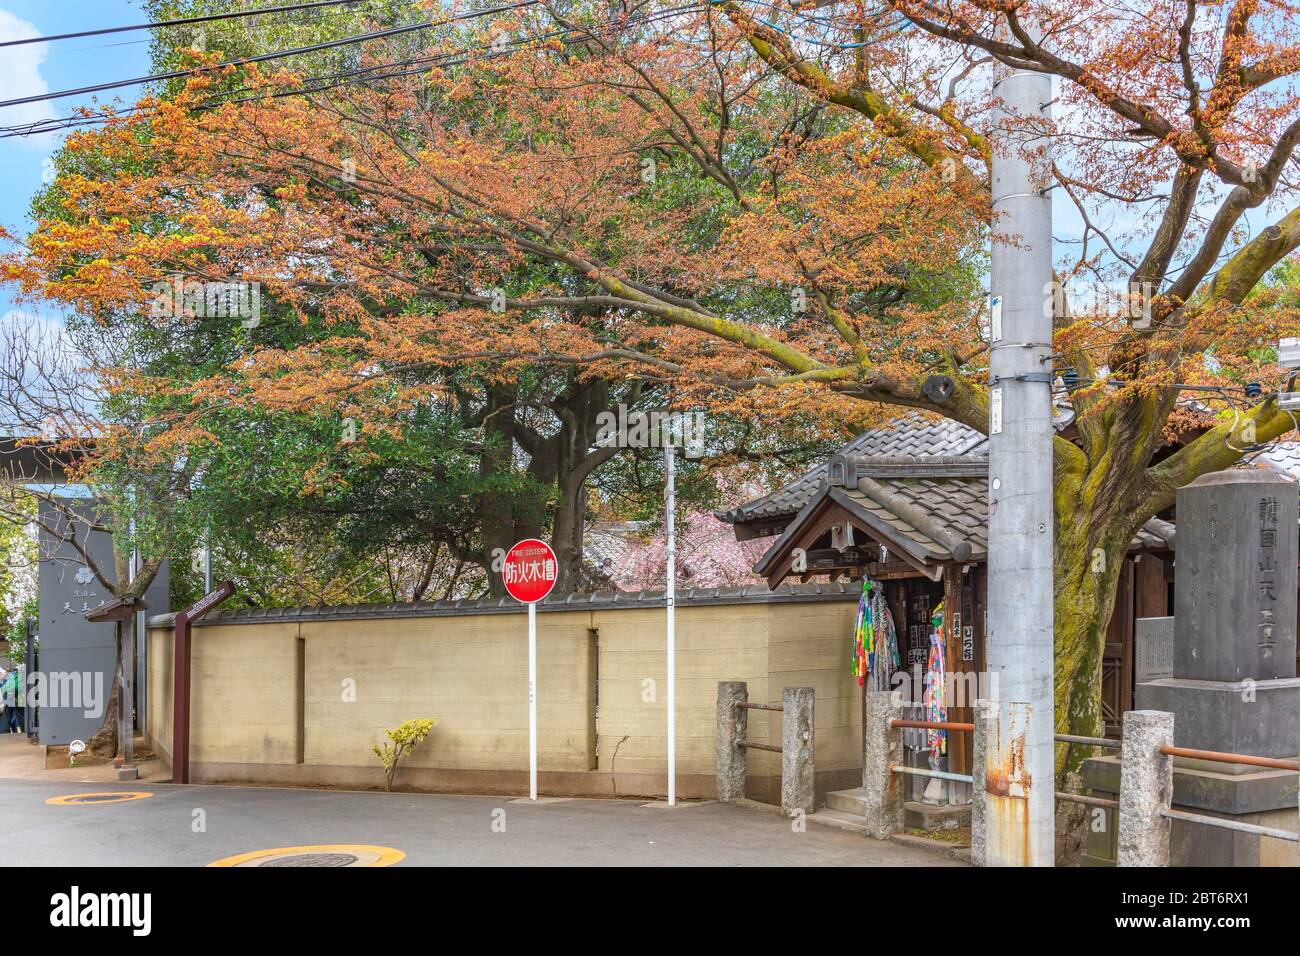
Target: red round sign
column 529, row 571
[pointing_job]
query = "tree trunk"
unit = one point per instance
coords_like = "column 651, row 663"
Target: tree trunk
column 566, row 536
column 497, row 509
column 105, row 742
column 1091, row 543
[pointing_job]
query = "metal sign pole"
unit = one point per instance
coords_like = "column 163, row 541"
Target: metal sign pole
column 207, row 560
column 670, row 597
column 529, row 573
column 29, row 714
column 532, row 700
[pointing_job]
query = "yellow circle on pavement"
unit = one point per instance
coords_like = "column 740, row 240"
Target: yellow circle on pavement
column 324, row 854
column 90, row 799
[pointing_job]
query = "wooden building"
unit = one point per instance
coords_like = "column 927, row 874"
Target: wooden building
column 907, row 505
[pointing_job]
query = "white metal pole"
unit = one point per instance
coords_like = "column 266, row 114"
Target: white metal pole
column 670, row 597
column 532, row 700
column 207, row 561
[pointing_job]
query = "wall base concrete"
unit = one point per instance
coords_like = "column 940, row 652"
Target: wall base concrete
column 428, row 780
column 594, row 783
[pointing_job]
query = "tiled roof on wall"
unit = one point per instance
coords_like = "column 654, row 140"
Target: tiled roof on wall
column 602, row 600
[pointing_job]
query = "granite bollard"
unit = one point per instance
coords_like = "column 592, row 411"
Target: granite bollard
column 798, row 780
column 984, row 711
column 882, row 750
column 733, row 721
column 1145, row 789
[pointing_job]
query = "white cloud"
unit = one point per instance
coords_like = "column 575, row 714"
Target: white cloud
column 20, row 75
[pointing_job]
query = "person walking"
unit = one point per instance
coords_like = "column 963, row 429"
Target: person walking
column 12, row 691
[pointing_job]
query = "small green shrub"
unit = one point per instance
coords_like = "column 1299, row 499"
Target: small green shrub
column 404, row 739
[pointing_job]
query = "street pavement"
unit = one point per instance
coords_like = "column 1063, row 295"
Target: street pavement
column 196, row 825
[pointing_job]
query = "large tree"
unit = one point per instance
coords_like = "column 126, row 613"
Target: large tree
column 57, row 398
column 757, row 211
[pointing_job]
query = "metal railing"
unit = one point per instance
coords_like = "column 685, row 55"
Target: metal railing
column 1146, row 755
column 1064, row 795
column 796, row 750
column 899, row 724
column 1217, row 756
column 1225, row 824
column 772, row 708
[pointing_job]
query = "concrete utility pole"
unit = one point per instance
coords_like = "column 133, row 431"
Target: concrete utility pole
column 1019, row 770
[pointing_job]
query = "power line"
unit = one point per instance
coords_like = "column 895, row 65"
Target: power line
column 461, row 57
column 208, row 18
column 331, row 81
column 263, row 57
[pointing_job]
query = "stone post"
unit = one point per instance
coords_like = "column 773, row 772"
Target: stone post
column 1146, row 786
column 732, row 723
column 979, row 760
column 798, row 789
column 882, row 750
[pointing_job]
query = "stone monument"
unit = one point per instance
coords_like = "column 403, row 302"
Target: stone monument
column 1234, row 687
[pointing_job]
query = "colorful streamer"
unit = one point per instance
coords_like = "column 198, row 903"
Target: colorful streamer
column 873, row 634
column 935, row 709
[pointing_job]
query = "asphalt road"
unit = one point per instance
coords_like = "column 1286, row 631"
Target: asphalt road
column 197, row 825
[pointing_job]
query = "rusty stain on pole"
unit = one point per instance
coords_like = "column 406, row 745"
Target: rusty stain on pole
column 1008, row 784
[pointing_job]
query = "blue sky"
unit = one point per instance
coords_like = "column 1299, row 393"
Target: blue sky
column 44, row 67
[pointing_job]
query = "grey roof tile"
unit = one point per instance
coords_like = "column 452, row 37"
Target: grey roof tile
column 909, row 436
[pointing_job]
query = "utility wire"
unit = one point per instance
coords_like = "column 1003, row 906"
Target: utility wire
column 263, row 57
column 207, row 18
column 330, row 81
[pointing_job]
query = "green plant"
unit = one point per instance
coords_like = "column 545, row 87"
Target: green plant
column 17, row 633
column 404, row 739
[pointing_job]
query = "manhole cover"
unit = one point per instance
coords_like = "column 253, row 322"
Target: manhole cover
column 76, row 799
column 313, row 859
column 321, row 854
